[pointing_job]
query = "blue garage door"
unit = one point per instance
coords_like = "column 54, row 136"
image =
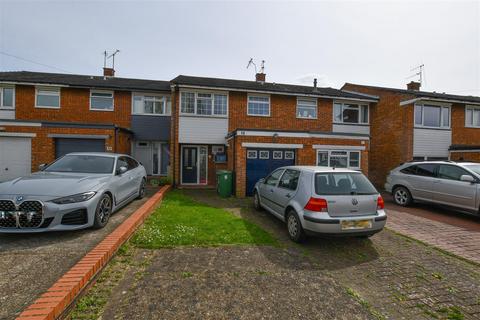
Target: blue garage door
column 261, row 162
column 67, row 145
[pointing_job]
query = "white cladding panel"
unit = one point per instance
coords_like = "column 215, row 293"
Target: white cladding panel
column 351, row 128
column 431, row 142
column 7, row 114
column 202, row 130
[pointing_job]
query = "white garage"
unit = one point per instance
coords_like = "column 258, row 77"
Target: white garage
column 15, row 155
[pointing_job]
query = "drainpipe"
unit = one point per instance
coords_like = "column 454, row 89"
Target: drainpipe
column 115, row 139
column 173, row 132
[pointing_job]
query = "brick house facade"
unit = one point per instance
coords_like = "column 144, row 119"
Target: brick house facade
column 404, row 127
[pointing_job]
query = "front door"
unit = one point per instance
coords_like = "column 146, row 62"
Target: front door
column 190, row 165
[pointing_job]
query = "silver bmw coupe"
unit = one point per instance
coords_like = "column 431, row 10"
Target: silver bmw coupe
column 78, row 190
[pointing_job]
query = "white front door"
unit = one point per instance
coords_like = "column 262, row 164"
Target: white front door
column 15, row 157
column 149, row 153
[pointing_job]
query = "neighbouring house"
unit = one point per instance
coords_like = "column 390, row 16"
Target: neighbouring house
column 46, row 115
column 253, row 127
column 409, row 124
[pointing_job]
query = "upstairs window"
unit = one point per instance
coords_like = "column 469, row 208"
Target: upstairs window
column 258, row 106
column 472, row 116
column 47, row 98
column 350, row 113
column 204, row 104
column 101, row 100
column 431, row 116
column 306, row 108
column 151, row 105
column 7, row 98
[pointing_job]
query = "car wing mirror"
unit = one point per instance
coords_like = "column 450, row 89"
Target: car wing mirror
column 467, row 178
column 42, row 166
column 261, row 180
column 121, row 170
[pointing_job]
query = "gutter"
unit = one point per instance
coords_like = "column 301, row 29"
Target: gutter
column 407, row 102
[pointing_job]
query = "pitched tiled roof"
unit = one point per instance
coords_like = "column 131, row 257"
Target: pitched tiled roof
column 76, row 80
column 267, row 87
column 425, row 94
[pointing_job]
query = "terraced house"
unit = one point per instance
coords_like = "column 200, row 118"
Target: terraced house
column 253, row 127
column 410, row 124
column 45, row 115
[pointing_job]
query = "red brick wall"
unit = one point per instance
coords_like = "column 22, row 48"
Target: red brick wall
column 305, row 156
column 43, row 147
column 283, row 114
column 461, row 134
column 391, row 132
column 74, row 107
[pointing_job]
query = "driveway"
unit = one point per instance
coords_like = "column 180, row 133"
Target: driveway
column 385, row 277
column 31, row 263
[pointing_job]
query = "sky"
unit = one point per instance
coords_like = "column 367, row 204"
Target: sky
column 374, row 43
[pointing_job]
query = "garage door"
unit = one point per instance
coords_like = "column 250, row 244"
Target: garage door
column 261, row 162
column 67, row 145
column 15, row 157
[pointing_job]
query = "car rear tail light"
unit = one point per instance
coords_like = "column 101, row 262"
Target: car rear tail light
column 380, row 203
column 316, row 204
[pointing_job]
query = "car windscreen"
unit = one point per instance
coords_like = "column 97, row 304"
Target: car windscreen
column 473, row 167
column 343, row 183
column 82, row 164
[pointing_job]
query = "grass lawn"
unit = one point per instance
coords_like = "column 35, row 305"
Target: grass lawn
column 181, row 221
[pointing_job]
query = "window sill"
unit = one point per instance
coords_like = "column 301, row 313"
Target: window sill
column 468, row 127
column 151, row 114
column 104, row 110
column 7, row 108
column 305, row 118
column 352, row 124
column 46, row 107
column 258, row 115
column 432, row 128
column 202, row 116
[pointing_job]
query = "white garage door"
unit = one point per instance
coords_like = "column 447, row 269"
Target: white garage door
column 15, row 157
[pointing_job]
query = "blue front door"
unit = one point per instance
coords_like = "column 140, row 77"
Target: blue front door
column 261, row 162
column 189, row 165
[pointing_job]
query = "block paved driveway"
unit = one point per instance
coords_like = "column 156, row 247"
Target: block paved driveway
column 31, row 263
column 391, row 276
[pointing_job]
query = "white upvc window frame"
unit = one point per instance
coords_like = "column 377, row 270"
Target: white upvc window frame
column 307, row 106
column 54, row 91
column 329, row 152
column 359, row 106
column 474, row 109
column 250, row 95
column 433, row 104
column 195, row 103
column 163, row 98
column 93, row 91
column 2, row 107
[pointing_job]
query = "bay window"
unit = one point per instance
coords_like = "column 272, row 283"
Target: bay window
column 151, row 104
column 7, row 97
column 472, row 116
column 47, row 98
column 204, row 104
column 432, row 116
column 350, row 113
column 306, row 108
column 338, row 159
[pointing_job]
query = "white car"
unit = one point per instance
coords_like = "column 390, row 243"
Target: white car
column 78, row 190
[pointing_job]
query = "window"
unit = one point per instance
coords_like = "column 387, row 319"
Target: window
column 432, row 116
column 472, row 116
column 278, row 155
column 289, row 155
column 101, row 100
column 289, row 179
column 258, row 106
column 350, row 113
column 252, row 154
column 306, row 108
column 132, row 163
column 343, row 184
column 426, row 170
column 149, row 104
column 7, row 98
column 264, row 154
column 82, row 164
column 204, row 104
column 338, row 159
column 409, row 170
column 273, row 178
column 122, row 162
column 451, row 172
column 47, row 98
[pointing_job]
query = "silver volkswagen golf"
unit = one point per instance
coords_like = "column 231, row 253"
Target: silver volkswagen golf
column 455, row 184
column 78, row 190
column 321, row 201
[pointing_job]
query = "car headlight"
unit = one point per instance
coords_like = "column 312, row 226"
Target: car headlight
column 80, row 197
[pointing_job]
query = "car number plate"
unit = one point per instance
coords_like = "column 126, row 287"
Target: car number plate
column 356, row 224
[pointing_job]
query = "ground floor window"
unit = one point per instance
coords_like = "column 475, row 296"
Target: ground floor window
column 154, row 155
column 338, row 159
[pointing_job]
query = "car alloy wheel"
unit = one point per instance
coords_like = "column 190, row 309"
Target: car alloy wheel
column 104, row 209
column 292, row 225
column 141, row 192
column 401, row 197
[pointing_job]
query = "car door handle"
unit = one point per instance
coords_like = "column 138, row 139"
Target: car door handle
column 271, row 190
column 288, row 195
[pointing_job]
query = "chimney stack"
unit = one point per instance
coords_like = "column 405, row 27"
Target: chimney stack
column 108, row 72
column 260, row 77
column 413, row 85
column 315, row 84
